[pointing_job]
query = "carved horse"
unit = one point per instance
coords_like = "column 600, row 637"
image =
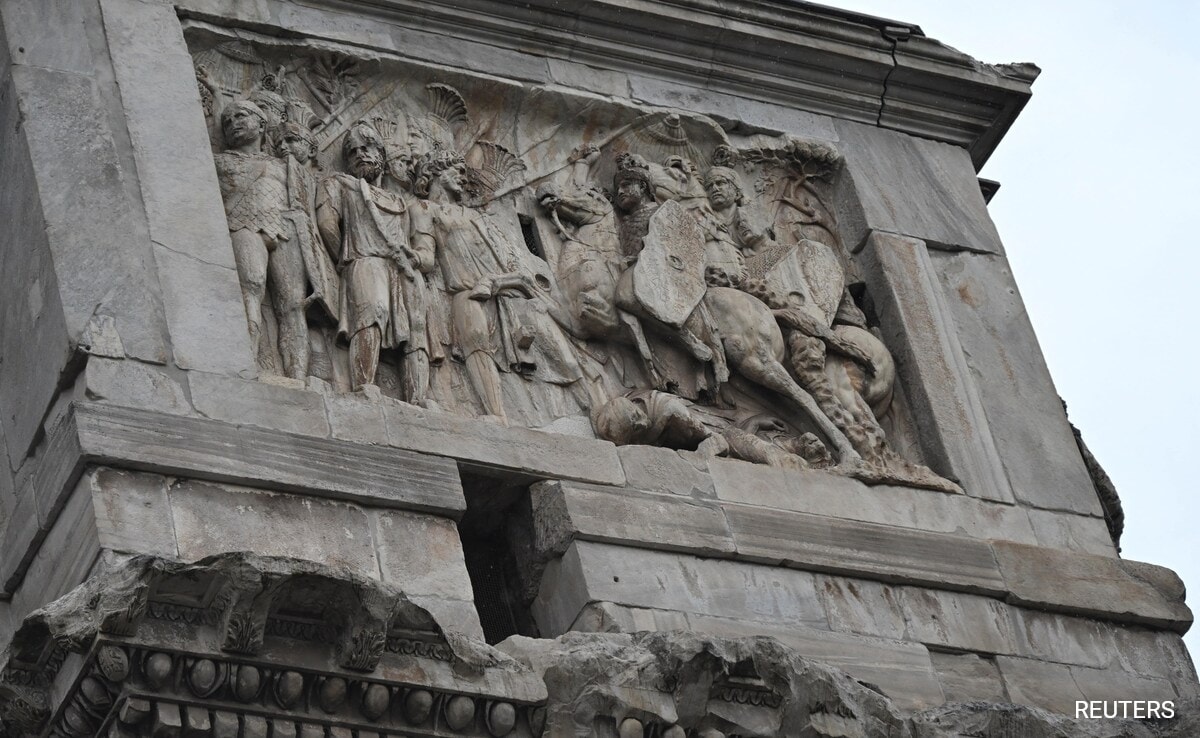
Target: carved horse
column 738, row 333
column 754, row 348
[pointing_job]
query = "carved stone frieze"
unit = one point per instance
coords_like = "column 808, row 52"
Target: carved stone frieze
column 166, row 691
column 525, row 255
column 202, row 657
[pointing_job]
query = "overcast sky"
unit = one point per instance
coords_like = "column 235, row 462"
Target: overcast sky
column 1098, row 212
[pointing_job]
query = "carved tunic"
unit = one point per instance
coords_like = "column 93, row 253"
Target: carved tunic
column 255, row 190
column 301, row 187
column 471, row 249
column 374, row 227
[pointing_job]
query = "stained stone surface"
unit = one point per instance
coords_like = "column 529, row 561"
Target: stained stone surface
column 577, row 684
column 520, row 369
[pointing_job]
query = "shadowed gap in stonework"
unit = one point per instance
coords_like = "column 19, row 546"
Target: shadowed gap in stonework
column 497, row 538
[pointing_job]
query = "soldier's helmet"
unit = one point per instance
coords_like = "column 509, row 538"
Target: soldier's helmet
column 632, row 168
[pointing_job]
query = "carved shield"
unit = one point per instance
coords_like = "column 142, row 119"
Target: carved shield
column 668, row 278
column 813, row 270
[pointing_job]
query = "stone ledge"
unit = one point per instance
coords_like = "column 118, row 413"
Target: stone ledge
column 955, row 622
column 562, row 511
column 490, row 449
column 1101, row 587
column 566, row 511
column 1095, row 586
column 223, row 452
column 201, row 449
column 823, row 493
column 880, row 552
column 518, row 454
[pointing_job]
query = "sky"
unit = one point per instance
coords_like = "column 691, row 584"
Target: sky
column 1097, row 210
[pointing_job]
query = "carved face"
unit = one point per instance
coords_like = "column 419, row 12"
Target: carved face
column 630, row 194
column 721, row 192
column 400, row 165
column 548, row 196
column 365, row 158
column 241, row 126
column 295, row 145
column 454, row 180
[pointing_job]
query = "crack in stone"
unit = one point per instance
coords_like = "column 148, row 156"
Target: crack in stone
column 185, row 254
column 884, row 92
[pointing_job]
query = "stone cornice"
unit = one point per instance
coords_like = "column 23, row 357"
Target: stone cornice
column 800, row 55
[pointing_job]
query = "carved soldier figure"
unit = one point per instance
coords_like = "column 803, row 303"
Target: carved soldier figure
column 654, row 418
column 677, row 179
column 732, row 329
column 634, row 197
column 274, row 107
column 476, row 269
column 495, row 318
column 727, row 199
column 297, row 142
column 589, row 262
column 635, row 202
column 297, row 146
column 266, row 248
column 383, row 246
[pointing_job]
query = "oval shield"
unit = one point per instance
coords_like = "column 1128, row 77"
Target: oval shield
column 668, row 278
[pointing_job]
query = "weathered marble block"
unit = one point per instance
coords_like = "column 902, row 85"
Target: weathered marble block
column 564, row 367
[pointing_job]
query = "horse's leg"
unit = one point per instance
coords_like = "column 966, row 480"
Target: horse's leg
column 771, row 373
column 711, row 340
column 634, row 326
column 754, row 347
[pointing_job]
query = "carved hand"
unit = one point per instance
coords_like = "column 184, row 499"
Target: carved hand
column 204, row 77
column 587, row 153
column 484, row 289
column 765, row 423
column 514, row 281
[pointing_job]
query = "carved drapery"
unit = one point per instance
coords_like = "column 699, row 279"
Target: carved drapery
column 525, row 255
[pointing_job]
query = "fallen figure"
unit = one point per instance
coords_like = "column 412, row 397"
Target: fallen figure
column 654, row 418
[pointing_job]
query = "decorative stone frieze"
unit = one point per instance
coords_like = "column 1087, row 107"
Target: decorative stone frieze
column 558, row 368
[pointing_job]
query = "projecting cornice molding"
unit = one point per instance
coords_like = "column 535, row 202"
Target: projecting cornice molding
column 803, row 56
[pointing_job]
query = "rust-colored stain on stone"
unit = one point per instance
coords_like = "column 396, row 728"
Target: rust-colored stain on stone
column 964, row 294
